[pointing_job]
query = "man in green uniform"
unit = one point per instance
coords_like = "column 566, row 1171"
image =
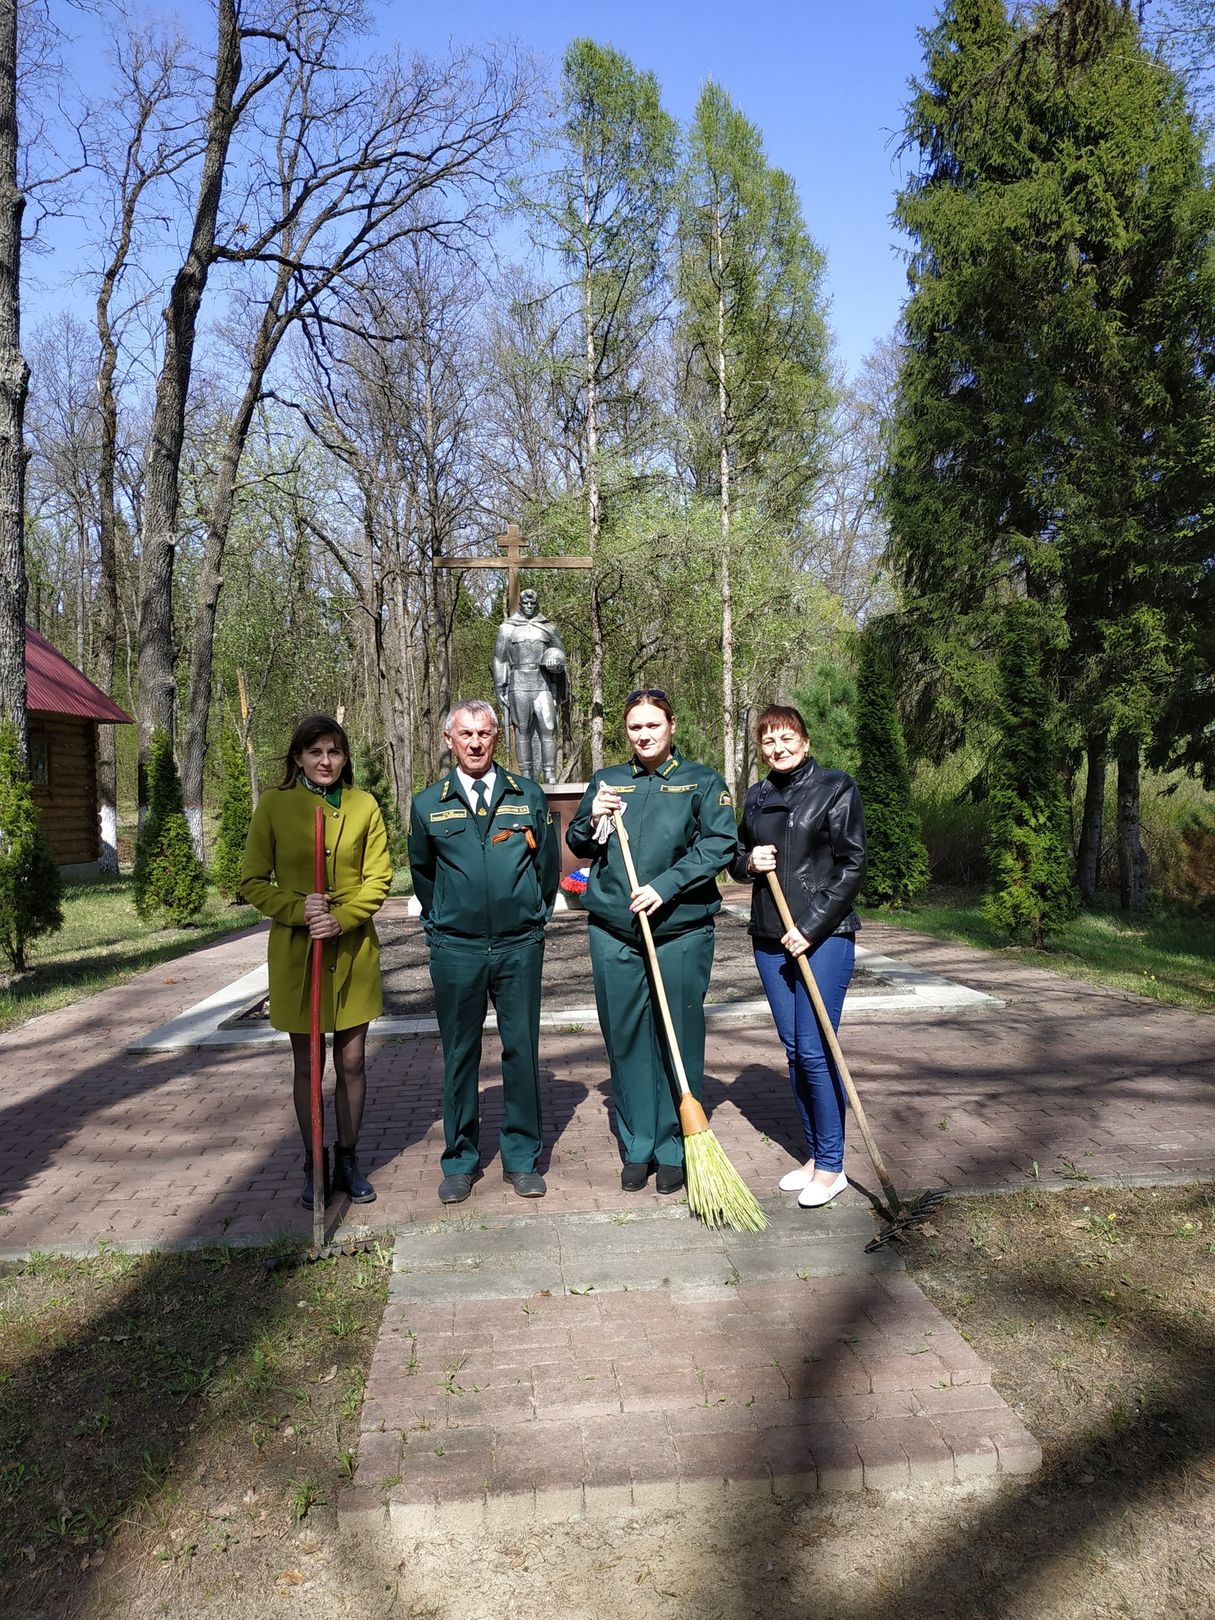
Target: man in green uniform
column 680, row 823
column 485, row 864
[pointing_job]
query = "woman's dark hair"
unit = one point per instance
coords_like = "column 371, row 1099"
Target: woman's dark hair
column 649, row 694
column 310, row 730
column 778, row 715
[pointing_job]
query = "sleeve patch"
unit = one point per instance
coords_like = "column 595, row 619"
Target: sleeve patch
column 726, row 799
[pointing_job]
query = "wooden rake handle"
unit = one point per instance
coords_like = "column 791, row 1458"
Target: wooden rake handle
column 316, row 1047
column 647, row 935
column 833, row 1045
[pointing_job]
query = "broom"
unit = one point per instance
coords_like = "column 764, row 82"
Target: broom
column 716, row 1191
column 833, row 1045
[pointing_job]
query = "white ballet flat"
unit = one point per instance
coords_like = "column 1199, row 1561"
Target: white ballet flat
column 817, row 1194
column 796, row 1180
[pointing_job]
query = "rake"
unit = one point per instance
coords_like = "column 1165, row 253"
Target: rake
column 900, row 1213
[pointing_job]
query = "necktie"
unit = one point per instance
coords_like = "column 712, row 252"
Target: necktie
column 479, row 797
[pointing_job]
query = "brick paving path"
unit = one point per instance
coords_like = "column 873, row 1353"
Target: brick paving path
column 97, row 1144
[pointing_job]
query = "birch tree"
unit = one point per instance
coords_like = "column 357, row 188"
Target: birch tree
column 604, row 212
column 756, row 342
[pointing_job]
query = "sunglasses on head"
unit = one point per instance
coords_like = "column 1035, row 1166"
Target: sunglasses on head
column 646, row 692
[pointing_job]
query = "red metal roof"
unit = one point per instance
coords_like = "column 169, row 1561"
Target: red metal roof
column 56, row 687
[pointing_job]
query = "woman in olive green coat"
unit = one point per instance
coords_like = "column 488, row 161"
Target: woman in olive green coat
column 278, row 878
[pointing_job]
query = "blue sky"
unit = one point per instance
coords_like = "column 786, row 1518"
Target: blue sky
column 825, row 82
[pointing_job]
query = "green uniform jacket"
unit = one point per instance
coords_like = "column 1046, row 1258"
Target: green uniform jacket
column 277, row 875
column 491, row 887
column 680, row 823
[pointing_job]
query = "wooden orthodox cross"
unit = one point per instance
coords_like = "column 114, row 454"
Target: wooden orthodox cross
column 514, row 546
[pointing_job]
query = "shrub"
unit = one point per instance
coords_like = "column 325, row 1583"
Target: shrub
column 1030, row 890
column 1195, row 881
column 953, row 819
column 31, row 888
column 898, row 862
column 235, row 814
column 169, row 876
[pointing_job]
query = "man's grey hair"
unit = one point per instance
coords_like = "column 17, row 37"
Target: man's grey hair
column 476, row 708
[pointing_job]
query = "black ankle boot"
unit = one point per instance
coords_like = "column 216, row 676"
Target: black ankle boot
column 348, row 1178
column 306, row 1192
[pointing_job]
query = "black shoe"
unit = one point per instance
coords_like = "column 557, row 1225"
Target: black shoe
column 306, row 1190
column 668, row 1178
column 527, row 1183
column 348, row 1178
column 455, row 1189
column 633, row 1177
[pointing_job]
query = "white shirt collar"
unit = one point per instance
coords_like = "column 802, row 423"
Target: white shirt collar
column 466, row 782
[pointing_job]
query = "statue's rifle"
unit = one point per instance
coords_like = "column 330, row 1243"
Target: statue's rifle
column 506, row 721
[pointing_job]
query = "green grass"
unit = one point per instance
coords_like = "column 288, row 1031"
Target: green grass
column 137, row 1392
column 1167, row 954
column 103, row 942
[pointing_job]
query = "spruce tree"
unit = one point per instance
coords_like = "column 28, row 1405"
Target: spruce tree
column 169, row 877
column 373, row 779
column 1030, row 894
column 31, row 889
column 235, row 813
column 897, row 866
column 828, row 704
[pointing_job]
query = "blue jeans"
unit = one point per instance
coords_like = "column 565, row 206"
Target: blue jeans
column 817, row 1088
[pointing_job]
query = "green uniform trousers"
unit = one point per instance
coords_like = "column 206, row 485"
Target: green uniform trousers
column 644, row 1088
column 467, row 975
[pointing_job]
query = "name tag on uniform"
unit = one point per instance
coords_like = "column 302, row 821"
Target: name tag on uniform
column 514, row 810
column 682, row 787
column 448, row 815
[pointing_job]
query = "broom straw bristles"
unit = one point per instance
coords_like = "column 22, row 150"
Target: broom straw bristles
column 716, row 1191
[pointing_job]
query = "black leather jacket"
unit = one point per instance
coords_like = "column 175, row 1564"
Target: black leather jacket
column 815, row 818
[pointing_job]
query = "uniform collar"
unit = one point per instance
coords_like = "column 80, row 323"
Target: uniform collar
column 490, row 779
column 504, row 782
column 665, row 769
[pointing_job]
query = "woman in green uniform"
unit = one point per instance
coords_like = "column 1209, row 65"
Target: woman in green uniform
column 278, row 878
column 680, row 824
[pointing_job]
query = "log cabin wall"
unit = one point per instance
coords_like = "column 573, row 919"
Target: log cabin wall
column 63, row 765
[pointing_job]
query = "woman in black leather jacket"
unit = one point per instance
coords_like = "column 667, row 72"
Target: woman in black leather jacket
column 805, row 823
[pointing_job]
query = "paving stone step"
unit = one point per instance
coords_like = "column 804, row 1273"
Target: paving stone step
column 681, row 1365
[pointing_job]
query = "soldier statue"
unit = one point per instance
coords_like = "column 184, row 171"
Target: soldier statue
column 530, row 679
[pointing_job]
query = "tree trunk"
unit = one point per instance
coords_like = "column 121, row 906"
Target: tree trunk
column 1132, row 860
column 161, row 486
column 730, row 763
column 1088, row 855
column 593, row 518
column 211, row 579
column 14, row 386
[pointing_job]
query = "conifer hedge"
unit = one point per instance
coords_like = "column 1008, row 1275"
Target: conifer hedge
column 898, row 862
column 235, row 814
column 31, row 888
column 169, row 876
column 1030, row 894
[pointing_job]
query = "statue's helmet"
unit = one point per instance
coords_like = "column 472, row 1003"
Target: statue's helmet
column 554, row 659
